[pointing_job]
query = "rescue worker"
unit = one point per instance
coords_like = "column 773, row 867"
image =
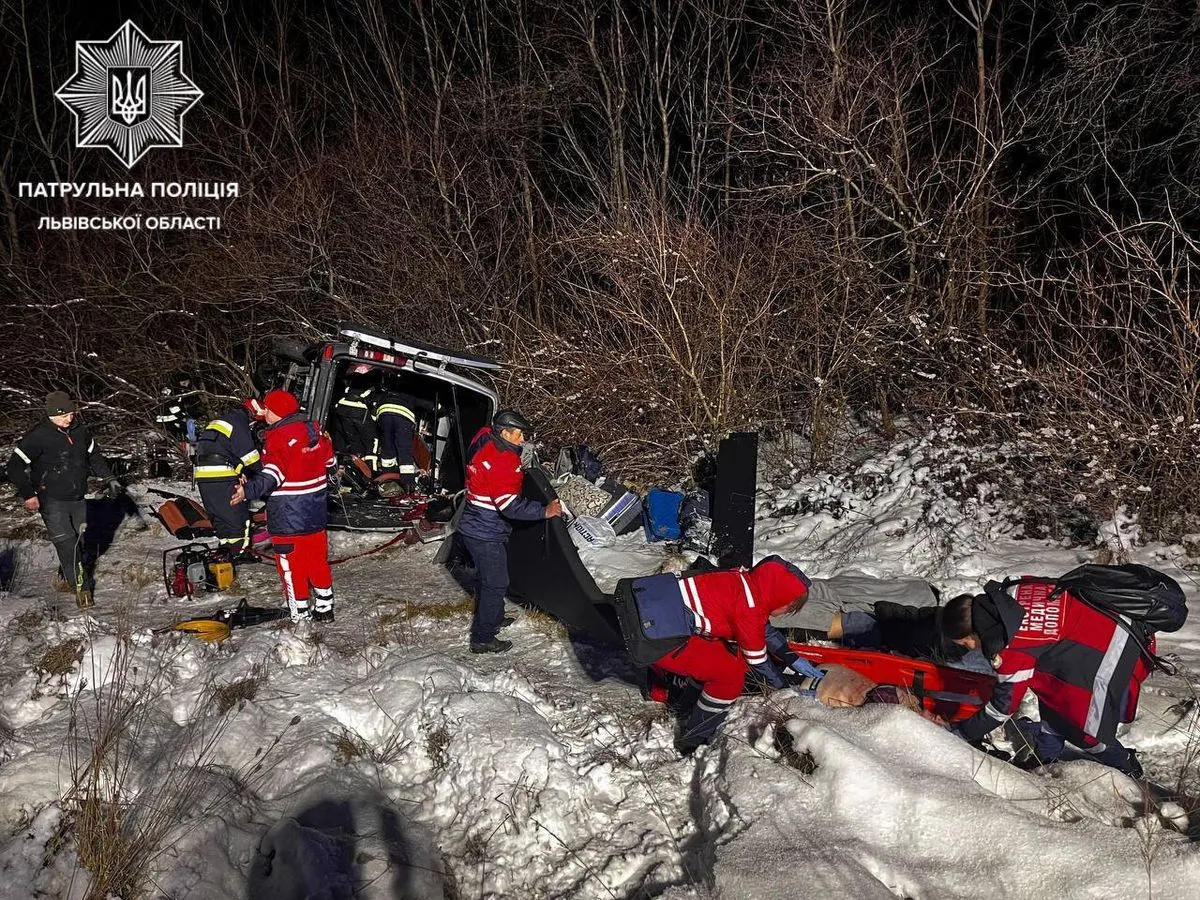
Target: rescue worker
column 49, row 469
column 1081, row 664
column 717, row 626
column 179, row 412
column 294, row 479
column 353, row 425
column 494, row 480
column 225, row 451
column 395, row 415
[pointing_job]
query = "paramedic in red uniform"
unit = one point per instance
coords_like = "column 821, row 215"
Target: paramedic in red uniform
column 731, row 637
column 294, row 480
column 1085, row 669
column 494, row 480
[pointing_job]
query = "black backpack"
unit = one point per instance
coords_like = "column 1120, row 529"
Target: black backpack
column 1148, row 599
column 1141, row 594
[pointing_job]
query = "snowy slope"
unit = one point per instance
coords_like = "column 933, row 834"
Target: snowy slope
column 377, row 758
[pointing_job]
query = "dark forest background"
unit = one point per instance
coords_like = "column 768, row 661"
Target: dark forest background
column 670, row 219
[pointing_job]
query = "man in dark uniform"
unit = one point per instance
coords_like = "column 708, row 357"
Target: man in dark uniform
column 395, row 414
column 353, row 424
column 49, row 469
column 225, row 451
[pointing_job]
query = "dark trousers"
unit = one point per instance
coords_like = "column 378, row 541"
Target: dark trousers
column 396, row 444
column 1045, row 740
column 490, row 585
column 66, row 520
column 231, row 523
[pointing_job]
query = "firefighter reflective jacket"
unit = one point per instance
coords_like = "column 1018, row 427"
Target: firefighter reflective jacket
column 225, row 448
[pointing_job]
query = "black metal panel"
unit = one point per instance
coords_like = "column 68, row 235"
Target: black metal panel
column 545, row 571
column 733, row 500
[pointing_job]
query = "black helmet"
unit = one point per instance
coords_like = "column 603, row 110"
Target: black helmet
column 510, row 418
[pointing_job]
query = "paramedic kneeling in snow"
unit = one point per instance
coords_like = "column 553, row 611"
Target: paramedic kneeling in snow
column 294, row 479
column 1079, row 663
column 494, row 480
column 686, row 626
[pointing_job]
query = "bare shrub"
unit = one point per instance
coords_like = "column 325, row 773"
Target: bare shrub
column 130, row 797
column 669, row 221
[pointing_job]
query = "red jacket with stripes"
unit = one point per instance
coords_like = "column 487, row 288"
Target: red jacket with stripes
column 295, row 476
column 1085, row 669
column 737, row 604
column 494, row 481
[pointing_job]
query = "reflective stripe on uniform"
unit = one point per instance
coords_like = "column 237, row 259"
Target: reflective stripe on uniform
column 308, row 486
column 711, row 704
column 397, row 410
column 21, row 453
column 220, row 426
column 217, row 471
column 996, row 714
column 1104, row 674
column 746, row 588
column 251, row 458
column 691, row 599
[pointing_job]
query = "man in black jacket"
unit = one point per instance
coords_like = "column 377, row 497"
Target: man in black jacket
column 50, row 468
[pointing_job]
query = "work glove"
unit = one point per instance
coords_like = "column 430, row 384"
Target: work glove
column 115, row 488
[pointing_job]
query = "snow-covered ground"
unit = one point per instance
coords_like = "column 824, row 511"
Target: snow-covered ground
column 376, row 757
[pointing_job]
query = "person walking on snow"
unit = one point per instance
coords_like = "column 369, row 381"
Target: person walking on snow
column 722, row 620
column 225, row 451
column 294, row 479
column 494, row 481
column 49, row 469
column 1081, row 664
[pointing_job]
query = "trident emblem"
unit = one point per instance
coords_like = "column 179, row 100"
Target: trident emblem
column 128, row 102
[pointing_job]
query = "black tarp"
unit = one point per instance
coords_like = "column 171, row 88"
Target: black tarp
column 545, row 571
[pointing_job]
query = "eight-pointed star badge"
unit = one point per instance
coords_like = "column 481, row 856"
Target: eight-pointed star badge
column 129, row 94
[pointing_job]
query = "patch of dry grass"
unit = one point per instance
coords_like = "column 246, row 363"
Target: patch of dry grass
column 140, row 575
column 60, row 659
column 349, row 745
column 23, row 530
column 545, row 624
column 448, row 609
column 236, row 694
column 28, row 622
column 437, row 746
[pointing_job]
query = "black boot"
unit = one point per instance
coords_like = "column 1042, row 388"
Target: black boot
column 699, row 729
column 495, row 645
